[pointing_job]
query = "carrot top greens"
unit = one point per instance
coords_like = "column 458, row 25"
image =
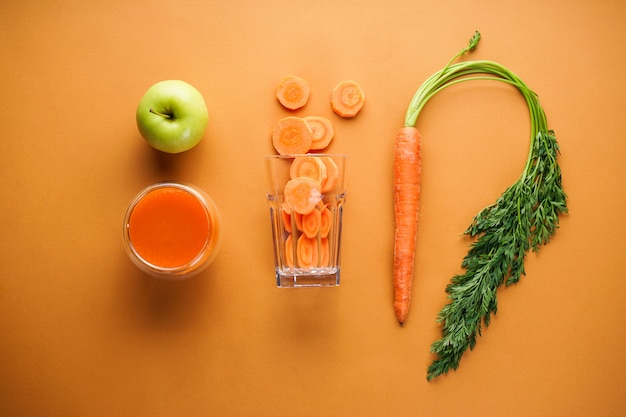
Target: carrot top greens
column 524, row 217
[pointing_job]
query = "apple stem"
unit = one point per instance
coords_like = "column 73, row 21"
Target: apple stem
column 166, row 115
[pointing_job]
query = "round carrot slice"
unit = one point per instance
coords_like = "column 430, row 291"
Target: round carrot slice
column 293, row 92
column 290, row 217
column 324, row 252
column 326, row 218
column 347, row 98
column 298, row 220
column 302, row 194
column 332, row 173
column 292, row 135
column 308, row 166
column 311, row 223
column 289, row 251
column 323, row 131
column 286, row 220
column 307, row 252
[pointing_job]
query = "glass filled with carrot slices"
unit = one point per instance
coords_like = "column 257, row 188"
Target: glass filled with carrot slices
column 172, row 230
column 306, row 195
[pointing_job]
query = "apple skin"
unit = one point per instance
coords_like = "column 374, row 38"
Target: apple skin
column 172, row 116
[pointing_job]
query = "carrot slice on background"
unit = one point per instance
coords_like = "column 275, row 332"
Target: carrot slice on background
column 308, row 166
column 293, row 92
column 302, row 194
column 323, row 131
column 332, row 173
column 292, row 135
column 307, row 252
column 347, row 98
column 311, row 223
column 407, row 171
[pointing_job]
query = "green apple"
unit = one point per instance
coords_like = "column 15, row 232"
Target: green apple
column 172, row 116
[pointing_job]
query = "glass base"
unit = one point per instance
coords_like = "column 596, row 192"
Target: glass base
column 298, row 278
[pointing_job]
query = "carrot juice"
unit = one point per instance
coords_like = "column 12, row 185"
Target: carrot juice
column 172, row 230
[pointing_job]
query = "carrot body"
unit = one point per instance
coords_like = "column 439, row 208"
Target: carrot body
column 347, row 98
column 406, row 193
column 293, row 92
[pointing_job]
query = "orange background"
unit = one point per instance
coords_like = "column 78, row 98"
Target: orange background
column 84, row 333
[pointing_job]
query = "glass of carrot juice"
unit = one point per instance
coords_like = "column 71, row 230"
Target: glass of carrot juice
column 306, row 195
column 172, row 230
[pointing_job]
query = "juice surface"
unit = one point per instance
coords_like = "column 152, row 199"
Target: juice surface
column 168, row 227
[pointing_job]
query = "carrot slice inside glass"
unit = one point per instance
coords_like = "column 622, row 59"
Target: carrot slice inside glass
column 324, row 252
column 325, row 222
column 289, row 251
column 308, row 166
column 302, row 194
column 308, row 254
column 311, row 223
column 332, row 173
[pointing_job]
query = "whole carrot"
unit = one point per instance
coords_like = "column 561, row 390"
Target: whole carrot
column 407, row 176
column 523, row 218
column 407, row 168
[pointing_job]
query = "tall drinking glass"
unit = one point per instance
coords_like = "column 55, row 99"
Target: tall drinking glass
column 306, row 195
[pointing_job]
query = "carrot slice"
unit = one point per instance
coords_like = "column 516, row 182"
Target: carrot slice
column 308, row 166
column 292, row 135
column 289, row 251
column 293, row 92
column 298, row 219
column 311, row 223
column 347, row 98
column 324, row 252
column 307, row 252
column 332, row 173
column 302, row 194
column 323, row 131
column 286, row 220
column 291, row 218
column 325, row 221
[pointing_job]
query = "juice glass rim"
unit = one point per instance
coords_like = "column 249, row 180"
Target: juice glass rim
column 211, row 243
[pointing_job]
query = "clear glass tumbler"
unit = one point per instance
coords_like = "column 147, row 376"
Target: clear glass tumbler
column 306, row 196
